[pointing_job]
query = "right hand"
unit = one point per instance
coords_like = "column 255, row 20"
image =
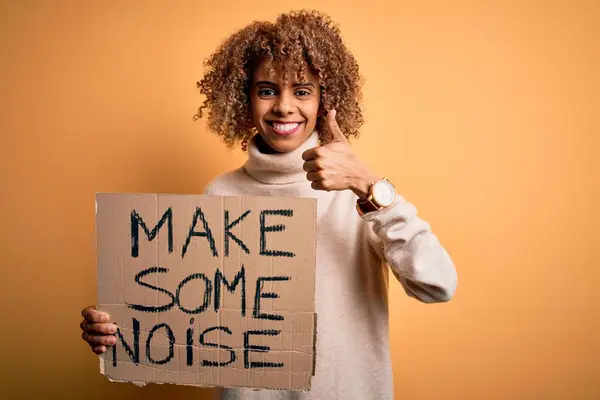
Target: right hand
column 98, row 332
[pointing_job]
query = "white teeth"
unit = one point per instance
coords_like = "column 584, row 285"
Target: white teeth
column 285, row 127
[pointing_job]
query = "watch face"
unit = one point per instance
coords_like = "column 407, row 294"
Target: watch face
column 384, row 193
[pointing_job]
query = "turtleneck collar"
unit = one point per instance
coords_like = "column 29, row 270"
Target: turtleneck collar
column 278, row 168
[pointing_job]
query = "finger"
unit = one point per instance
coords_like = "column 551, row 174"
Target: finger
column 99, row 340
column 312, row 165
column 320, row 185
column 314, row 176
column 92, row 315
column 334, row 129
column 101, row 328
column 310, row 154
column 99, row 349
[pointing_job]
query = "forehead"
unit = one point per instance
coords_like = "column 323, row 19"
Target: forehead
column 264, row 69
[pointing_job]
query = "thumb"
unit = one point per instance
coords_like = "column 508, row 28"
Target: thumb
column 334, row 129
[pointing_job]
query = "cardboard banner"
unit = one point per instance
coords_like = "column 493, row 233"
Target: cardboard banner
column 208, row 290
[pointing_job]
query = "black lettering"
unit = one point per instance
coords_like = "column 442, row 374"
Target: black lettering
column 207, row 233
column 140, row 275
column 273, row 228
column 207, row 293
column 134, row 354
column 219, row 277
column 171, row 343
column 207, row 363
column 228, row 233
column 137, row 221
column 189, row 343
column 258, row 349
column 267, row 295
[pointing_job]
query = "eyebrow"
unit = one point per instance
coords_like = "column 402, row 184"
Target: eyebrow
column 301, row 84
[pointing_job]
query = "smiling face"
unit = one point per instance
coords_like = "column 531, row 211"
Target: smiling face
column 285, row 115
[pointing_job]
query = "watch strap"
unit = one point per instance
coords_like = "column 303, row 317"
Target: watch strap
column 367, row 206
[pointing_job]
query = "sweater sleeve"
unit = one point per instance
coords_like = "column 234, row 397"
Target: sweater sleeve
column 415, row 255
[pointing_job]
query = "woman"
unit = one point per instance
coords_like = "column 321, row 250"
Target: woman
column 290, row 93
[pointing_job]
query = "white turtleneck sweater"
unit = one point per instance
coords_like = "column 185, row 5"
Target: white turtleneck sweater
column 352, row 349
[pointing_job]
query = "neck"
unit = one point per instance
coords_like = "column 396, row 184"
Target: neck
column 264, row 147
column 269, row 166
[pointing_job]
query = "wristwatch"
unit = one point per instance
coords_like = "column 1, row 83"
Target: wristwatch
column 381, row 194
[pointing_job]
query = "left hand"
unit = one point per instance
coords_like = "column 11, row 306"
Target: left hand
column 334, row 166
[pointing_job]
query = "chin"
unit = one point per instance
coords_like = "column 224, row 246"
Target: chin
column 285, row 144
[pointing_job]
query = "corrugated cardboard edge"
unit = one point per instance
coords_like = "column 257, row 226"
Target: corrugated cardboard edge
column 136, row 383
column 142, row 384
column 314, row 352
column 101, row 356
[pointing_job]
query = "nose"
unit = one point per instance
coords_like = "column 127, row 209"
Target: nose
column 284, row 104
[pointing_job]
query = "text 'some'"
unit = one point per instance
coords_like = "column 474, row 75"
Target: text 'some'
column 208, row 290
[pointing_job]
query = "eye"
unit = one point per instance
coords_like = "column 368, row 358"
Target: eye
column 266, row 92
column 302, row 93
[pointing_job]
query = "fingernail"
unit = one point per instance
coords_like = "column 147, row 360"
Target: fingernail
column 112, row 340
column 104, row 318
column 112, row 329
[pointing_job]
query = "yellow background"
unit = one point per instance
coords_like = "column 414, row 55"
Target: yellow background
column 485, row 114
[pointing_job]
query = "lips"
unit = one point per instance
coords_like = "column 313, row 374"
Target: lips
column 284, row 128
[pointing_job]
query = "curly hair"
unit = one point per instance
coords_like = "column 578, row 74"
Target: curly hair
column 296, row 39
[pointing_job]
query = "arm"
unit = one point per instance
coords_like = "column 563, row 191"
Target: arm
column 395, row 233
column 415, row 255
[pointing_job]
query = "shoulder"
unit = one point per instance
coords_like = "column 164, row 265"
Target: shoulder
column 229, row 183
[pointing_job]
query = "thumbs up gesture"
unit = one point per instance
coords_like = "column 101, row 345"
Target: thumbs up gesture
column 334, row 166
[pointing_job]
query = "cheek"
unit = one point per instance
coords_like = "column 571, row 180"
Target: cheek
column 257, row 110
column 311, row 111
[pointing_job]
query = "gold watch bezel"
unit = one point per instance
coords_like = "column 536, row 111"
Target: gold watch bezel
column 370, row 201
